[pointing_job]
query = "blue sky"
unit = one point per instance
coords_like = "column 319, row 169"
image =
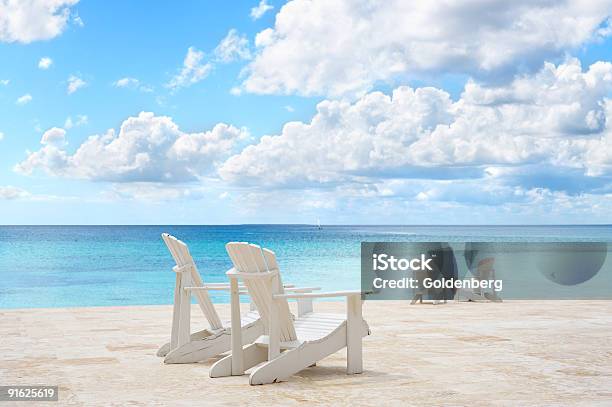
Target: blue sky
column 374, row 117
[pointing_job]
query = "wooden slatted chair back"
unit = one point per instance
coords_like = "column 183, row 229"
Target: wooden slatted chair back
column 182, row 258
column 261, row 275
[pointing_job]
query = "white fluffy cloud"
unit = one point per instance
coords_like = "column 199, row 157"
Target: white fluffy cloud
column 558, row 117
column 45, row 63
column 79, row 120
column 24, row 99
column 154, row 191
column 259, row 10
column 132, row 83
column 126, row 82
column 147, row 148
column 193, row 70
column 10, row 192
column 54, row 137
column 74, row 83
column 32, row 20
column 233, row 47
column 1, row 135
column 418, row 201
column 340, row 47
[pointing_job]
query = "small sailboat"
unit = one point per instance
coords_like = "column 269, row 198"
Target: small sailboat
column 319, row 224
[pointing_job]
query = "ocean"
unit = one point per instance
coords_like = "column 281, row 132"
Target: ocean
column 70, row 266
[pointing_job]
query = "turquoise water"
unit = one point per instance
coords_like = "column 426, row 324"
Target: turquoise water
column 64, row 266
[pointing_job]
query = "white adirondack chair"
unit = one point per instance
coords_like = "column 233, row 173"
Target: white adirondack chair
column 187, row 347
column 289, row 344
column 484, row 271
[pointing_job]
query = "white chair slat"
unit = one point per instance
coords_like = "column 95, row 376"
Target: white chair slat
column 180, row 254
column 250, row 258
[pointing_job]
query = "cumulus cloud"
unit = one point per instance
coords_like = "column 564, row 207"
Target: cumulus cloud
column 45, row 63
column 74, row 83
column 193, row 70
column 4, row 82
column 10, row 192
column 1, row 135
column 259, row 10
column 79, row 120
column 154, row 191
column 27, row 21
column 24, row 99
column 147, row 148
column 132, row 83
column 125, row 82
column 55, row 136
column 233, row 47
column 559, row 117
column 344, row 47
column 418, row 201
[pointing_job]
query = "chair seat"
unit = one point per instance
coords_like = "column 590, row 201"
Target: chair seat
column 315, row 325
column 245, row 319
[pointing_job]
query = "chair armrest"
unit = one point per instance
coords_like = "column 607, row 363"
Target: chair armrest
column 330, row 294
column 220, row 285
column 206, row 287
column 226, row 286
column 301, row 289
column 212, row 287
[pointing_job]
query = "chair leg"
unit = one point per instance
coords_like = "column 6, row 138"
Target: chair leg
column 294, row 360
column 279, row 369
column 163, row 350
column 176, row 312
column 354, row 326
column 199, row 349
column 196, row 336
column 237, row 361
column 253, row 355
column 184, row 333
column 417, row 297
column 304, row 306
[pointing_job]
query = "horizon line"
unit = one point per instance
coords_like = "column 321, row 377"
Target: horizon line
column 328, row 225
